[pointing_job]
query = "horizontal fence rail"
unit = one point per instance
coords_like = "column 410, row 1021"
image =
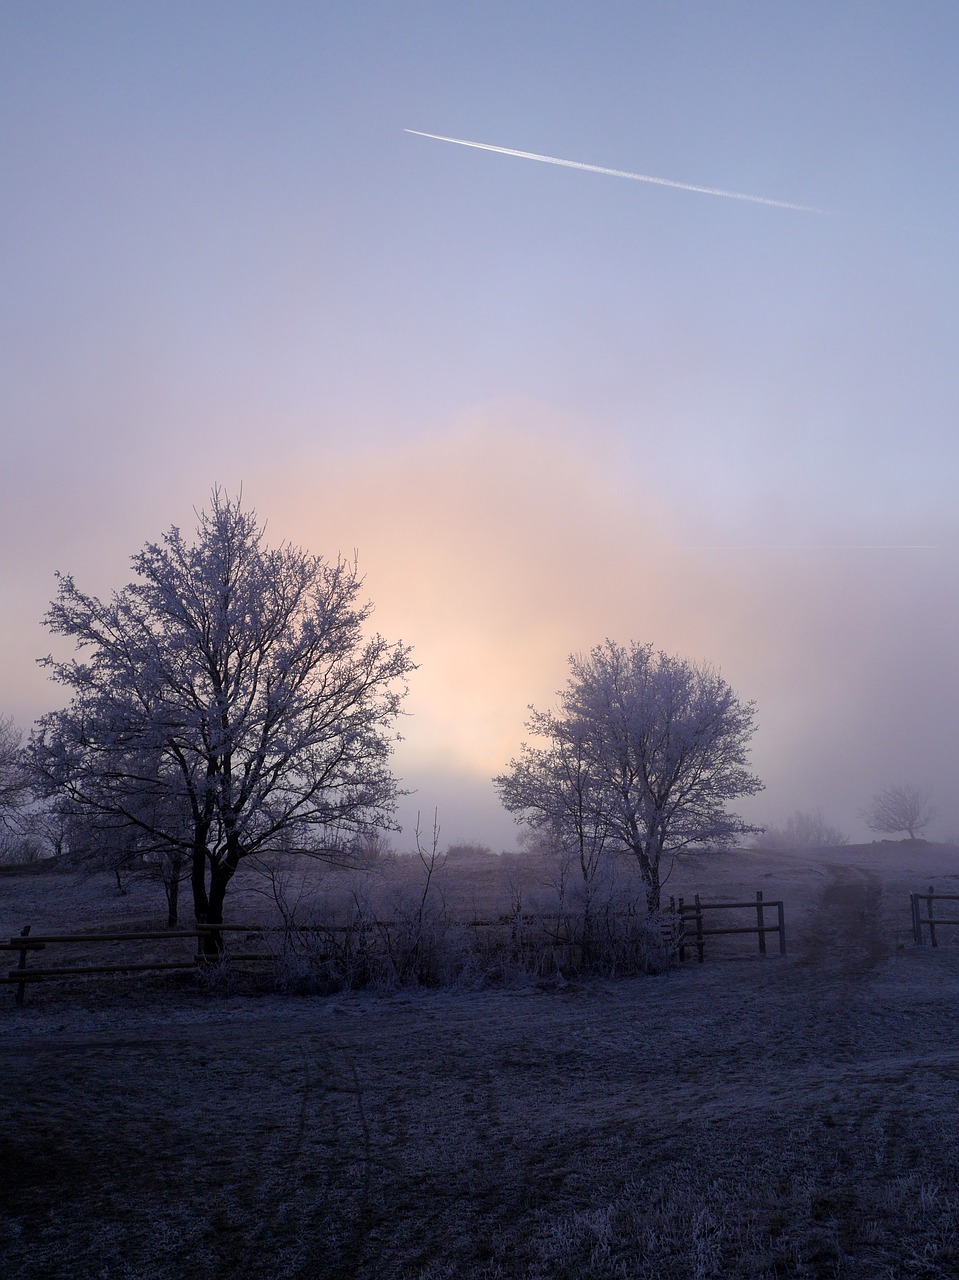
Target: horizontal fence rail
column 918, row 919
column 682, row 926
column 692, row 931
column 27, row 943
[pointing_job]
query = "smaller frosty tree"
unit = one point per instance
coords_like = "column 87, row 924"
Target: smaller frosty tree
column 644, row 755
column 899, row 807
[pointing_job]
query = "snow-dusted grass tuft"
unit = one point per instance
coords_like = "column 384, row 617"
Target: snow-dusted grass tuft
column 692, row 1225
column 401, row 930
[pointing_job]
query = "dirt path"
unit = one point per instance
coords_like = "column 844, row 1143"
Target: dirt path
column 845, row 936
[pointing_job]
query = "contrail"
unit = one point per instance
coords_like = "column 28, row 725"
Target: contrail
column 623, row 173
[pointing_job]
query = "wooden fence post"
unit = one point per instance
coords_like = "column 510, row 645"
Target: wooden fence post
column 699, row 929
column 682, row 929
column 761, row 922
column 932, row 927
column 782, row 927
column 914, row 912
column 22, row 986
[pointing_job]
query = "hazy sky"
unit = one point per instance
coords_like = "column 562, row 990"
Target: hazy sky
column 546, row 406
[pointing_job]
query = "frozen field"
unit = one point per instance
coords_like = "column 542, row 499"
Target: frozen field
column 745, row 1118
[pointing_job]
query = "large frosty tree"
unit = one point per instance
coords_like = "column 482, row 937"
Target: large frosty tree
column 225, row 702
column 644, row 754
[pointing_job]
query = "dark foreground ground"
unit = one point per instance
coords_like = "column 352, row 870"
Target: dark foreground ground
column 747, row 1118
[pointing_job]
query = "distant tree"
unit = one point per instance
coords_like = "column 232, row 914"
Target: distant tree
column 93, row 843
column 899, row 807
column 643, row 755
column 161, row 806
column 370, row 849
column 51, row 823
column 14, row 787
column 803, row 830
column 465, row 851
column 94, row 838
column 228, row 700
column 14, row 795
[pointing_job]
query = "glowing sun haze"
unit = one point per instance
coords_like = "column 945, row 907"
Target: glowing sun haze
column 544, row 406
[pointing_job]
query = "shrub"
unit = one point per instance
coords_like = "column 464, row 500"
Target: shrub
column 803, row 830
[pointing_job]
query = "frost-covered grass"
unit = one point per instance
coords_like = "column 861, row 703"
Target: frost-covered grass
column 745, row 1118
column 466, row 919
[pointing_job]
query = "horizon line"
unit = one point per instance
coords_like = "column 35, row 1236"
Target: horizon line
column 810, row 546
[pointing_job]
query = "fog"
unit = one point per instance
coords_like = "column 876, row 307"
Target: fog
column 545, row 407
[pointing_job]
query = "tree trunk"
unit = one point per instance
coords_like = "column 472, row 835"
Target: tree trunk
column 649, row 866
column 587, row 942
column 653, row 894
column 220, row 877
column 172, row 886
column 201, row 900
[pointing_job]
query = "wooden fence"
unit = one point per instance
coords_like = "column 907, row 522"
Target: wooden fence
column 692, row 931
column 27, row 943
column 918, row 919
column 683, row 926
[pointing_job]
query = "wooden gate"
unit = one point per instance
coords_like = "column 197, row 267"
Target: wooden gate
column 918, row 919
column 693, row 931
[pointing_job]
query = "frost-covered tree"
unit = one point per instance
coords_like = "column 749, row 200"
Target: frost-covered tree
column 13, row 782
column 803, row 830
column 14, row 789
column 644, row 754
column 899, row 807
column 224, row 702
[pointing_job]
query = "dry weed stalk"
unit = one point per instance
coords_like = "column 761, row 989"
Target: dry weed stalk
column 388, row 932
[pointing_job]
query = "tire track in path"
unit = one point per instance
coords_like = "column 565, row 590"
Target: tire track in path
column 844, row 937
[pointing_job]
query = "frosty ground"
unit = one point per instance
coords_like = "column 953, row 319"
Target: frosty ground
column 744, row 1118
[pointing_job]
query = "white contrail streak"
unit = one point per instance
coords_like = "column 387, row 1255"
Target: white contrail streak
column 623, row 173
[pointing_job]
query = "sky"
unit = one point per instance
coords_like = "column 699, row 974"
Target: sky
column 545, row 406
